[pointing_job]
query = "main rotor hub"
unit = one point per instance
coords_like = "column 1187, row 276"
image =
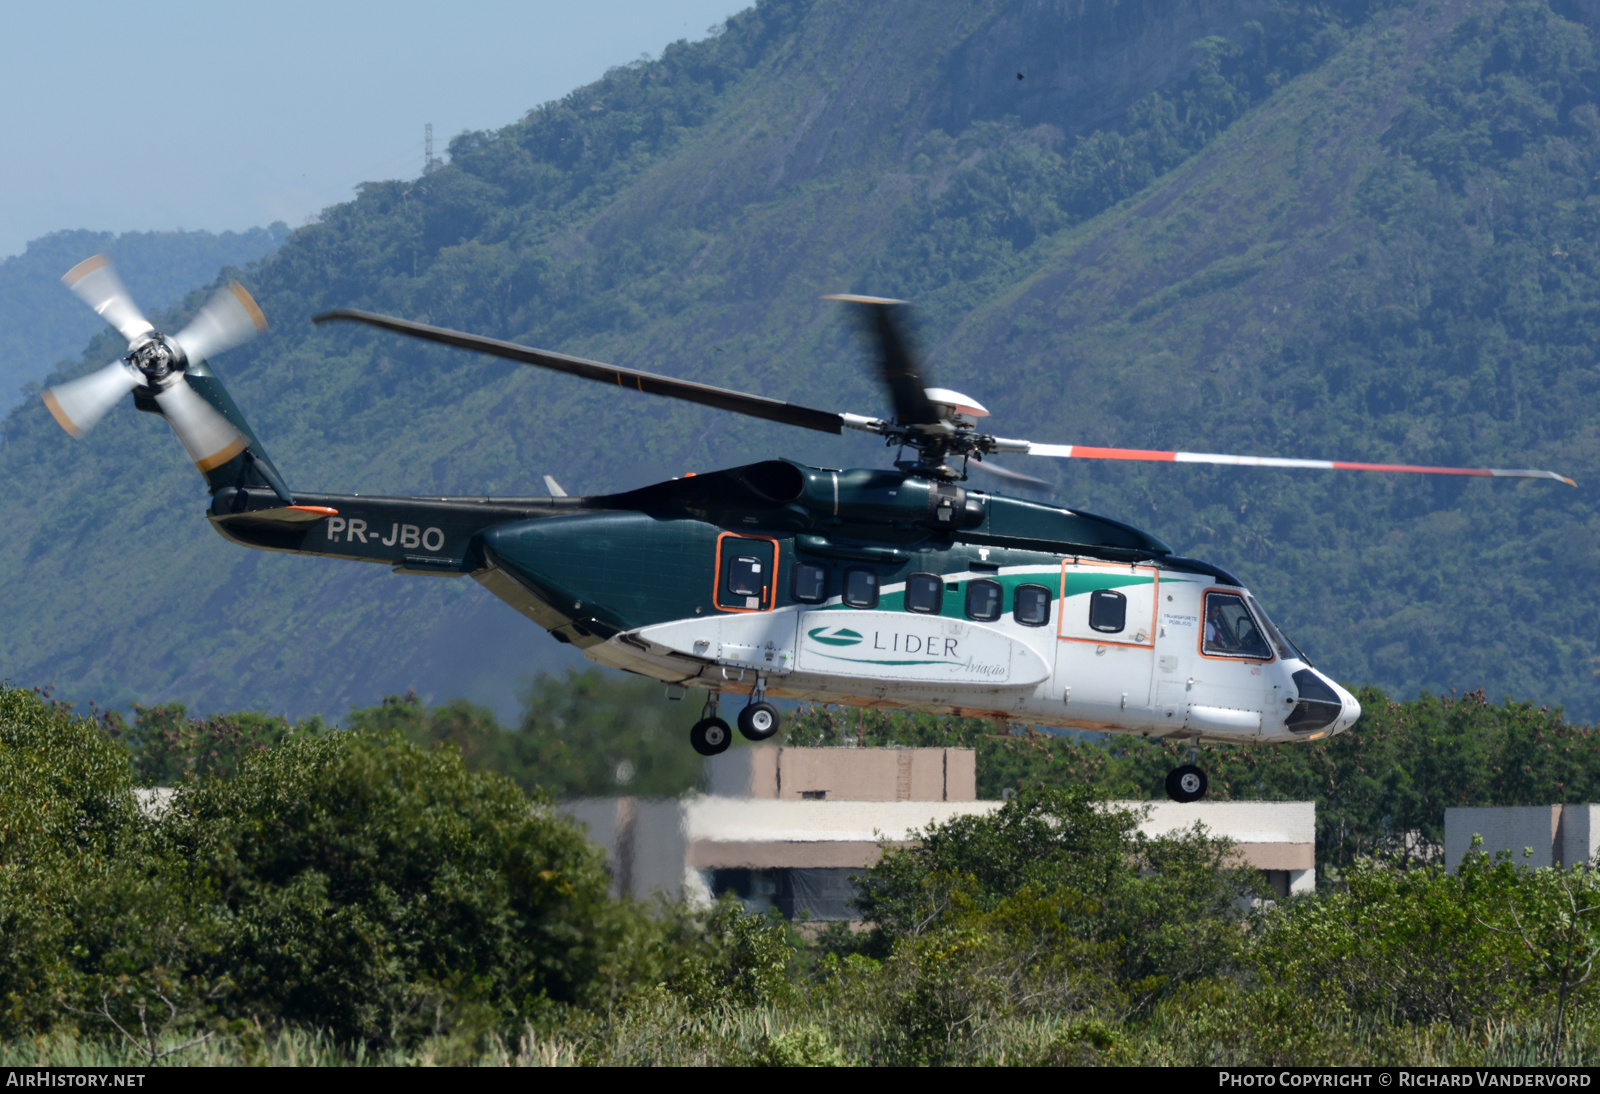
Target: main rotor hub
column 951, row 405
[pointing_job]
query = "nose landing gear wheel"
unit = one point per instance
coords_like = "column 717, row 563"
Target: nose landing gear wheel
column 758, row 721
column 709, row 736
column 1186, row 784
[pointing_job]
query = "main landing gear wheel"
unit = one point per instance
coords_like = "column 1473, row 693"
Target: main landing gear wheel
column 1186, row 784
column 710, row 736
column 758, row 721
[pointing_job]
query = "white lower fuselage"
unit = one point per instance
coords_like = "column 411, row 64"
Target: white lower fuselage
column 1162, row 671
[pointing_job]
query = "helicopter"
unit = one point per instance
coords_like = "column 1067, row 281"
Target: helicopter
column 904, row 588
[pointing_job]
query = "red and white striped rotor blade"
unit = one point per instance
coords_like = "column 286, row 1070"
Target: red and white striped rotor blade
column 1085, row 452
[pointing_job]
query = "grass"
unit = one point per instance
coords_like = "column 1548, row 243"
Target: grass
column 663, row 1032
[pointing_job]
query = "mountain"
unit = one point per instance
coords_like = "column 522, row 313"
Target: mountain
column 1355, row 231
column 45, row 326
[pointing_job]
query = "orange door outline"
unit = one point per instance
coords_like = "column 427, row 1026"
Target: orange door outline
column 769, row 596
column 1155, row 604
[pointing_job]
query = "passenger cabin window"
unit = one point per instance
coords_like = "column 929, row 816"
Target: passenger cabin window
column 1031, row 606
column 861, row 588
column 1108, row 611
column 810, row 583
column 744, row 576
column 924, row 593
column 983, row 600
column 1230, row 629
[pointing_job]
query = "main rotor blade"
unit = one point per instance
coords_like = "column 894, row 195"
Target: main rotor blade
column 1084, row 452
column 1016, row 478
column 210, row 439
column 78, row 405
column 96, row 283
column 895, row 367
column 229, row 317
column 754, row 406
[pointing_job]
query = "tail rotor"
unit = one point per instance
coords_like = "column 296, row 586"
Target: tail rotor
column 158, row 363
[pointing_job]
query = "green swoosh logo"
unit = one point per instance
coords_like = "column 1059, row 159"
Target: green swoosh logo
column 834, row 636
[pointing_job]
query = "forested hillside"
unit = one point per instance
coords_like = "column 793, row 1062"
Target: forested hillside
column 1349, row 230
column 45, row 326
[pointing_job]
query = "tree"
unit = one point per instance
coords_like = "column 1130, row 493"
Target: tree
column 168, row 746
column 587, row 732
column 1553, row 916
column 380, row 890
column 1169, row 905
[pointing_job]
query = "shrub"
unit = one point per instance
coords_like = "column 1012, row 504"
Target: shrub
column 95, row 928
column 378, row 890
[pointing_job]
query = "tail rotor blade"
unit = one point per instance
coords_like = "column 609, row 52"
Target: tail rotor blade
column 78, row 405
column 96, row 283
column 229, row 317
column 210, row 439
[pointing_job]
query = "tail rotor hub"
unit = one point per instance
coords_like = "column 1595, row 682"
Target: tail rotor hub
column 159, row 359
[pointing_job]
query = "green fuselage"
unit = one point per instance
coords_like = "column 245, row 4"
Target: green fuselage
column 589, row 568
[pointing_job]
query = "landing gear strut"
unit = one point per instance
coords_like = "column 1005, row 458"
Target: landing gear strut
column 759, row 719
column 1187, row 783
column 710, row 735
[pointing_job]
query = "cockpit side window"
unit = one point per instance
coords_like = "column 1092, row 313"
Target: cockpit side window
column 1230, row 629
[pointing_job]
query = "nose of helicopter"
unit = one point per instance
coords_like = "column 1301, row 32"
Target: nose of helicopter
column 1351, row 711
column 1322, row 708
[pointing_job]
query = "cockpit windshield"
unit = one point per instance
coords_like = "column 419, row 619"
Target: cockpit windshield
column 1280, row 641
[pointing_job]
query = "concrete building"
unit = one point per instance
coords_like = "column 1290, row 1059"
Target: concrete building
column 1554, row 835
column 788, row 826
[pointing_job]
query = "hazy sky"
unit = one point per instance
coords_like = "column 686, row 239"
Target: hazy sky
column 173, row 114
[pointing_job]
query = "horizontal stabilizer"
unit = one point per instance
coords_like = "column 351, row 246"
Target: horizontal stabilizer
column 287, row 514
